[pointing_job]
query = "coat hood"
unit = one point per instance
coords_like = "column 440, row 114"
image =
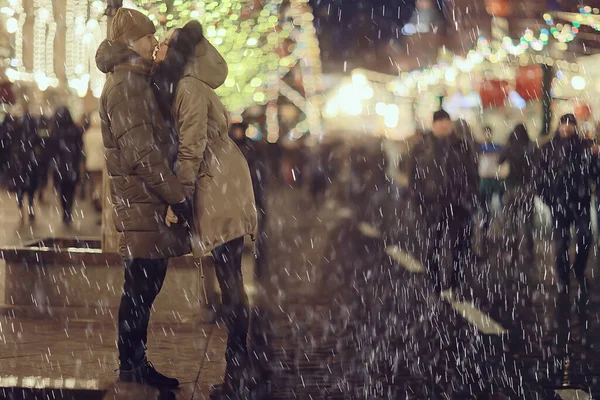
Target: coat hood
column 207, row 65
column 110, row 54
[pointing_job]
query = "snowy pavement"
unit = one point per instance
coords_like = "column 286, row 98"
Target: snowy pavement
column 353, row 314
column 348, row 313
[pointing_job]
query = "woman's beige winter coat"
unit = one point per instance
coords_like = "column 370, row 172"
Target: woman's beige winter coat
column 209, row 164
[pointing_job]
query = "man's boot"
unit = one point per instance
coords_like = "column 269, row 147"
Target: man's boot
column 145, row 373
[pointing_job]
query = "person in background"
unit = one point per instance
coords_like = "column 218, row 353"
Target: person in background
column 7, row 132
column 443, row 180
column 253, row 153
column 595, row 172
column 566, row 188
column 94, row 159
column 68, row 138
column 491, row 182
column 47, row 153
column 521, row 157
column 23, row 165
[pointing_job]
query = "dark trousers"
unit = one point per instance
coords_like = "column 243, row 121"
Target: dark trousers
column 67, row 196
column 488, row 187
column 143, row 280
column 564, row 217
column 518, row 212
column 448, row 230
column 235, row 307
column 21, row 194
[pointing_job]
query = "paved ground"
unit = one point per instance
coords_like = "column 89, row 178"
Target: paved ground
column 352, row 315
column 343, row 310
column 63, row 353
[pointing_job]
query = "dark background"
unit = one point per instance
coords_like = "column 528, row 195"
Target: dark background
column 358, row 32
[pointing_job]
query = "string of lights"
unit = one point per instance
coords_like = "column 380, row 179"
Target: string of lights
column 484, row 50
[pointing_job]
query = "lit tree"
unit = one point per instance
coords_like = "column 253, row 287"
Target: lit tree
column 261, row 40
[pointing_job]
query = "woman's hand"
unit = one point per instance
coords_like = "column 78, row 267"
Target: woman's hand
column 171, row 218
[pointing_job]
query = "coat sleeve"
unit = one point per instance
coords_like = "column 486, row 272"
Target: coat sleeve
column 131, row 110
column 191, row 113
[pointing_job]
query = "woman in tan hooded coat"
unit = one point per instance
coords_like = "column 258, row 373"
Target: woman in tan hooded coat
column 214, row 173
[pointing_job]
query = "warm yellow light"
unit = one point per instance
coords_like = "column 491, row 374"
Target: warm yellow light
column 12, row 25
column 578, row 82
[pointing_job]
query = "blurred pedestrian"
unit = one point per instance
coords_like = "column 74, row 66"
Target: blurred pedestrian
column 7, row 132
column 47, row 153
column 215, row 174
column 491, row 182
column 566, row 188
column 254, row 154
column 23, row 165
column 443, row 179
column 521, row 157
column 94, row 159
column 66, row 166
column 320, row 167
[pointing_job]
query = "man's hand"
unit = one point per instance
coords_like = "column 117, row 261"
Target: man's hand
column 183, row 211
column 595, row 149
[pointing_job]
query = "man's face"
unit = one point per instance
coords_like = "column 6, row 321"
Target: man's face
column 238, row 133
column 566, row 130
column 442, row 128
column 488, row 134
column 145, row 47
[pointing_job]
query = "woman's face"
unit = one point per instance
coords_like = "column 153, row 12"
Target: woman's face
column 163, row 47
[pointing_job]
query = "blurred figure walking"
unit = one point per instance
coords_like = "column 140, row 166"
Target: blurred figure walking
column 23, row 165
column 566, row 188
column 520, row 156
column 491, row 183
column 69, row 146
column 46, row 154
column 93, row 148
column 444, row 184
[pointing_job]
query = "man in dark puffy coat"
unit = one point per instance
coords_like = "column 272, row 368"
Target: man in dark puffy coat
column 566, row 188
column 444, row 182
column 140, row 154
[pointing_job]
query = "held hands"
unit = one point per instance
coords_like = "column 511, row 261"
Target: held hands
column 171, row 218
column 180, row 213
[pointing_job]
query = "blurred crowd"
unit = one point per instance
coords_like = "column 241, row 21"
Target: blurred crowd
column 36, row 150
column 458, row 182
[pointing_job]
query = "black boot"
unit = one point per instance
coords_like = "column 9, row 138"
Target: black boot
column 236, row 379
column 146, row 373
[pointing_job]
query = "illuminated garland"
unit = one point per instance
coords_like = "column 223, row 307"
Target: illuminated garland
column 261, row 42
column 564, row 33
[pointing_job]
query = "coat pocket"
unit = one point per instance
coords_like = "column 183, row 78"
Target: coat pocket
column 204, row 178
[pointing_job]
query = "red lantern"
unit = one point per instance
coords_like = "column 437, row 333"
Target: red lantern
column 529, row 82
column 7, row 96
column 493, row 93
column 498, row 8
column 582, row 112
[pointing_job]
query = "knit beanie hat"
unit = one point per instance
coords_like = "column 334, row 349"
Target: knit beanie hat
column 129, row 25
column 440, row 114
column 568, row 119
